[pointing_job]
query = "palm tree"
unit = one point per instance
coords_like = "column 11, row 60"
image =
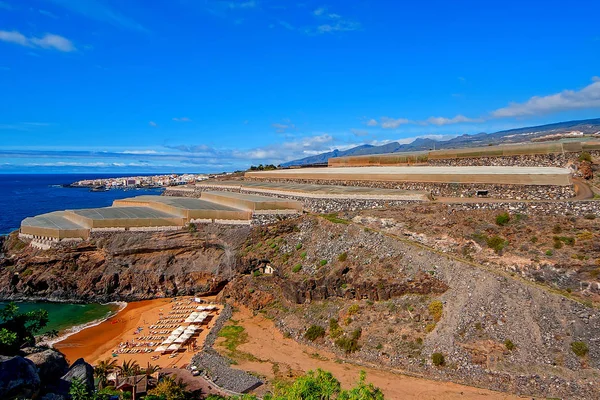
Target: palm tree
column 151, row 369
column 102, row 370
column 129, row 368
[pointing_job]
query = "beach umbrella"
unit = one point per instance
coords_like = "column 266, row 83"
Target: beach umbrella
column 161, row 348
column 173, row 347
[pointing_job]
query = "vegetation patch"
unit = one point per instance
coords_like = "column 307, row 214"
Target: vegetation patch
column 496, row 243
column 235, row 335
column 502, row 219
column 335, row 330
column 314, row 332
column 343, row 257
column 297, row 268
column 436, row 309
column 438, row 359
column 334, row 218
column 509, row 345
column 580, row 349
column 349, row 343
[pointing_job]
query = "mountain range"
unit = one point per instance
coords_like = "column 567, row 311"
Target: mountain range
column 588, row 126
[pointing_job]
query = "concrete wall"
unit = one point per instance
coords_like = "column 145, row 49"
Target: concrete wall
column 459, row 175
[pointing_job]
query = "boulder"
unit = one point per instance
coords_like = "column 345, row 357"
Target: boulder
column 51, row 365
column 18, row 378
column 80, row 370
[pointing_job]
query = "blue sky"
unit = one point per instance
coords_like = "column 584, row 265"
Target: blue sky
column 212, row 85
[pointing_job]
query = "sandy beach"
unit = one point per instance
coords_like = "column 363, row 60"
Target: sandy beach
column 131, row 325
column 272, row 349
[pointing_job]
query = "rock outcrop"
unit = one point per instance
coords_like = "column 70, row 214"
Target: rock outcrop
column 18, row 378
column 122, row 266
column 50, row 364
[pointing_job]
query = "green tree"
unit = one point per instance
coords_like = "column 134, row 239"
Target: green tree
column 170, row 389
column 315, row 385
column 19, row 329
column 362, row 391
column 102, row 370
column 129, row 368
column 78, row 390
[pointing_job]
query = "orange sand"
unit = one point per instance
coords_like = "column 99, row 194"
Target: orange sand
column 99, row 342
column 269, row 346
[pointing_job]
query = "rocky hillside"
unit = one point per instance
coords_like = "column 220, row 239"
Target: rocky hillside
column 122, row 266
column 437, row 290
column 375, row 299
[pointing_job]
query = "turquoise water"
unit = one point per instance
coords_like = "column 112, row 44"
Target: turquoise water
column 63, row 316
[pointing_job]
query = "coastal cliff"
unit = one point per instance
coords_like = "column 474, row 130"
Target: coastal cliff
column 122, row 267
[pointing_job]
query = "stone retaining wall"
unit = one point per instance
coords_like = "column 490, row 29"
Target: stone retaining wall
column 323, row 206
column 515, row 192
column 217, row 368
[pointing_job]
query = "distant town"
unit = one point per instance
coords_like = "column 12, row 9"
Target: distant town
column 155, row 181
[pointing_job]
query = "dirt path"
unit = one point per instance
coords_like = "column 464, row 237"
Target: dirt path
column 268, row 345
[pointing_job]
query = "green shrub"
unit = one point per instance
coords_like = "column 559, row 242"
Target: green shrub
column 549, row 253
column 256, row 273
column 590, row 216
column 303, row 255
column 585, row 156
column 334, row 218
column 297, row 268
column 314, row 332
column 436, row 308
column 26, row 273
column 347, row 344
column 343, row 257
column 496, row 243
column 430, row 327
column 502, row 219
column 568, row 240
column 322, row 263
column 509, row 344
column 353, row 309
column 298, row 246
column 533, row 239
column 335, row 330
column 438, row 359
column 557, row 244
column 579, row 348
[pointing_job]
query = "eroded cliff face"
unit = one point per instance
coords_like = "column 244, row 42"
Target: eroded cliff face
column 123, row 266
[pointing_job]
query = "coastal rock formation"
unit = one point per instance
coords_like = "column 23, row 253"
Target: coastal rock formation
column 123, row 266
column 51, row 365
column 79, row 370
column 18, row 378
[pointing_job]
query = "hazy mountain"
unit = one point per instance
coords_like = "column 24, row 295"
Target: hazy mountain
column 588, row 126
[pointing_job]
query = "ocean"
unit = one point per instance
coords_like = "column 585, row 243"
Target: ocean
column 24, row 196
column 63, row 317
column 28, row 195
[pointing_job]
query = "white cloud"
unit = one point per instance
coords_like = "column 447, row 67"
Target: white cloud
column 14, row 37
column 153, row 124
column 98, row 10
column 588, row 97
column 359, row 132
column 54, row 41
column 391, row 123
column 320, row 11
column 47, row 14
column 372, row 122
column 184, row 119
column 447, row 121
column 283, row 127
column 48, row 41
column 334, row 23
